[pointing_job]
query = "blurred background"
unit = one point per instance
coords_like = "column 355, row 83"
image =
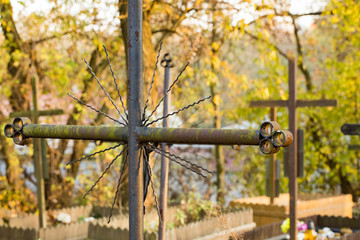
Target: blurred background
column 238, row 52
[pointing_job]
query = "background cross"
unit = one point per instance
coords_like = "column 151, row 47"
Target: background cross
column 352, row 129
column 292, row 104
column 167, row 63
column 39, row 146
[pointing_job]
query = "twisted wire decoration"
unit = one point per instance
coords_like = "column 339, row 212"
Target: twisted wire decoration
column 176, row 112
column 106, row 93
column 152, row 186
column 182, row 159
column 94, row 109
column 118, row 185
column 169, row 89
column 103, row 173
column 95, row 153
column 181, row 164
column 152, row 82
column 116, row 85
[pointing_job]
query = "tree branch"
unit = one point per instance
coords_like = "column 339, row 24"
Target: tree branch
column 300, row 64
column 281, row 52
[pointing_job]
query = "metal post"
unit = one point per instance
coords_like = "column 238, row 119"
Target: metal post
column 166, row 63
column 135, row 70
column 293, row 149
column 38, row 160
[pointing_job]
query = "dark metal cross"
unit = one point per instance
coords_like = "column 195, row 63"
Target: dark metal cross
column 352, row 129
column 292, row 104
column 39, row 145
column 139, row 137
column 167, row 63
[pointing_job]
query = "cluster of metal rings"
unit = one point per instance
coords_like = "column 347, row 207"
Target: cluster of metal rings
column 14, row 130
column 272, row 138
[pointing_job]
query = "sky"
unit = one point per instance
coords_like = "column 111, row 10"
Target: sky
column 297, row 6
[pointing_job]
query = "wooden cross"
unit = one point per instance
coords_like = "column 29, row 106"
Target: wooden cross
column 136, row 133
column 292, row 104
column 41, row 169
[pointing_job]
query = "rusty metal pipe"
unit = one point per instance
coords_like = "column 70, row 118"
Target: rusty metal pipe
column 169, row 135
column 20, row 139
column 199, row 136
column 102, row 133
column 267, row 128
column 282, row 138
column 9, row 130
column 20, row 122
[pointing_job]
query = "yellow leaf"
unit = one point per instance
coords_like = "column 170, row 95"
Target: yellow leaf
column 215, row 46
column 217, row 99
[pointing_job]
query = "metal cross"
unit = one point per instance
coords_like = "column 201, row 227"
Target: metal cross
column 136, row 133
column 39, row 145
column 292, row 104
column 167, row 63
column 352, row 129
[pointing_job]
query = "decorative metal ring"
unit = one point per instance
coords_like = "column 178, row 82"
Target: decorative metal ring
column 167, row 61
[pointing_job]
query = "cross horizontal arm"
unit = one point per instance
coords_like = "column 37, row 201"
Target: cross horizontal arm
column 354, row 147
column 199, row 136
column 351, row 129
column 270, row 138
column 299, row 103
column 50, row 112
column 317, row 103
column 101, row 133
column 269, row 103
column 168, row 135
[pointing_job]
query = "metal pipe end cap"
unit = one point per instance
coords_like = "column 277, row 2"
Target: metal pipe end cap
column 267, row 128
column 20, row 122
column 266, row 146
column 19, row 139
column 282, row 138
column 9, row 130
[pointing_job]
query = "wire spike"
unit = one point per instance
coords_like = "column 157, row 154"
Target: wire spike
column 170, row 158
column 182, row 159
column 162, row 99
column 102, row 87
column 103, row 173
column 176, row 112
column 94, row 109
column 93, row 154
column 116, row 85
column 152, row 82
column 152, row 187
column 118, row 186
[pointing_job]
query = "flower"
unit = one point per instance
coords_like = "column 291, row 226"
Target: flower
column 301, row 226
column 285, row 226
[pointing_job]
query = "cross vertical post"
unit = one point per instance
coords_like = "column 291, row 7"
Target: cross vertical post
column 167, row 64
column 352, row 129
column 293, row 148
column 38, row 157
column 135, row 91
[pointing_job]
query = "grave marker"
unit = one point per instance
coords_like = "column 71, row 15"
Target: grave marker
column 292, row 103
column 39, row 145
column 138, row 135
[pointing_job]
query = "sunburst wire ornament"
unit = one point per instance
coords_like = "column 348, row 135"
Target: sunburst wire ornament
column 146, row 148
